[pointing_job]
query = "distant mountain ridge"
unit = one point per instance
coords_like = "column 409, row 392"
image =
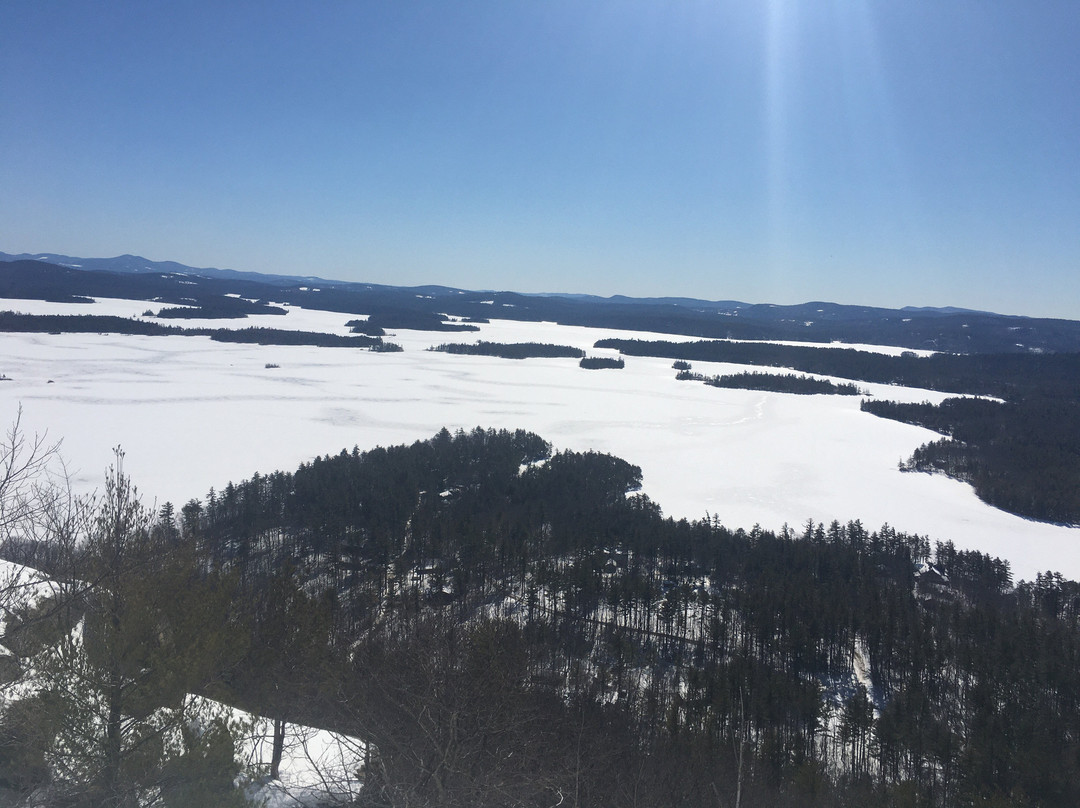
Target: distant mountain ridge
column 136, row 264
column 51, row 276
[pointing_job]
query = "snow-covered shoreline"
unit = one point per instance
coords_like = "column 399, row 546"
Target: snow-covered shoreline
column 192, row 413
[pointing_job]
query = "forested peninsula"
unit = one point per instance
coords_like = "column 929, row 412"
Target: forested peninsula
column 773, row 383
column 108, row 324
column 508, row 624
column 1019, row 451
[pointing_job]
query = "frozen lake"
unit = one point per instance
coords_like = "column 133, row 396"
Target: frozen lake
column 191, row 413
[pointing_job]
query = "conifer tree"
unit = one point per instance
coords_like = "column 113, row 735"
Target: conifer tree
column 116, row 718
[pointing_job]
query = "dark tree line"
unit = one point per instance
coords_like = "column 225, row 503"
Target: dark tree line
column 101, row 324
column 601, row 363
column 193, row 313
column 219, row 308
column 365, row 327
column 280, row 336
column 511, row 350
column 501, row 605
column 81, row 324
column 1007, row 376
column 43, row 281
column 1021, row 456
column 773, row 382
column 415, row 320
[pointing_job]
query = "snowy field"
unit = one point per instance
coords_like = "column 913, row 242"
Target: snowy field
column 191, row 413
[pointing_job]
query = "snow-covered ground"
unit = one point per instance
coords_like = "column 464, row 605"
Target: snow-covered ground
column 191, row 413
column 318, row 767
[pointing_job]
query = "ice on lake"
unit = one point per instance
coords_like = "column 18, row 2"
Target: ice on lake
column 191, row 413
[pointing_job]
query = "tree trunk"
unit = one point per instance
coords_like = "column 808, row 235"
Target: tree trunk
column 739, row 779
column 113, row 745
column 278, row 748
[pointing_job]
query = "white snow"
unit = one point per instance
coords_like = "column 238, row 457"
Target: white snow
column 861, row 667
column 318, row 767
column 21, row 587
column 191, row 414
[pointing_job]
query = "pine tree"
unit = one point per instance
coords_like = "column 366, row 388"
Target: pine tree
column 117, row 717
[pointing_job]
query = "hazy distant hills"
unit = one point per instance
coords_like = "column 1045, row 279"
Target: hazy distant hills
column 50, row 276
column 136, row 264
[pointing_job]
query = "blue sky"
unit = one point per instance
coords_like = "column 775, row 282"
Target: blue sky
column 915, row 153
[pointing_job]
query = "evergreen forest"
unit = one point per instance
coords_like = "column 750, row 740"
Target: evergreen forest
column 508, row 625
column 1014, row 435
column 511, row 350
column 110, row 324
column 772, row 382
column 601, row 363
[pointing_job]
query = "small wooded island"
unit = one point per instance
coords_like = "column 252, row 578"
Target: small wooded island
column 511, row 350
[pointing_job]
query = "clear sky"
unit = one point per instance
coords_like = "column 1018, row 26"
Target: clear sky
column 859, row 151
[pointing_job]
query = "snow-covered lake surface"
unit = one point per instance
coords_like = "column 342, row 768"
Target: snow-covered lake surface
column 191, row 413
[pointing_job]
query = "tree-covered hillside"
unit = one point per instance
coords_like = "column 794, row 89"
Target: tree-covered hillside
column 507, row 625
column 427, row 307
